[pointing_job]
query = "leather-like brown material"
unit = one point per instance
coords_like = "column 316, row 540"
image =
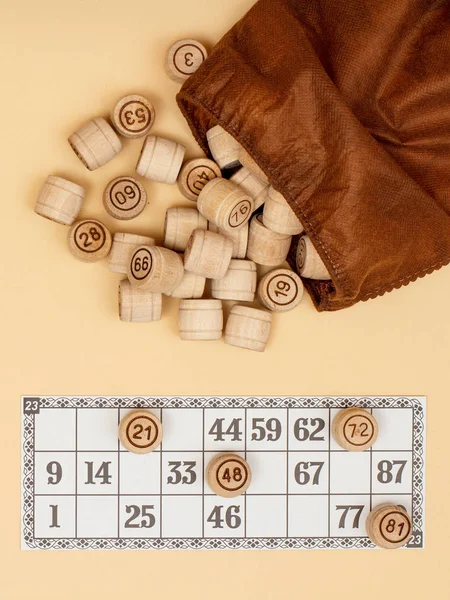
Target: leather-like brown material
column 345, row 104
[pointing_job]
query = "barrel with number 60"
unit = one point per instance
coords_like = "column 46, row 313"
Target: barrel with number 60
column 124, row 198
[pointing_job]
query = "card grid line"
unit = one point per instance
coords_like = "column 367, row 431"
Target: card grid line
column 76, row 472
column 204, row 472
column 198, row 495
column 161, row 480
column 329, row 472
column 212, row 451
column 34, row 478
column 412, row 471
column 245, row 457
column 371, row 470
column 118, row 477
column 287, row 474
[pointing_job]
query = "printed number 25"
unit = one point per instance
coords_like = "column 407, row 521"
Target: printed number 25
column 148, row 518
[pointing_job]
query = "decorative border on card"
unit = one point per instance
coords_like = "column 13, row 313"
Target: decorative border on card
column 35, row 404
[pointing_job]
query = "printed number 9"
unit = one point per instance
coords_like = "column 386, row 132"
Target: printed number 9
column 55, row 470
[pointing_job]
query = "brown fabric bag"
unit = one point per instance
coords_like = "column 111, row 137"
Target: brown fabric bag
column 346, row 107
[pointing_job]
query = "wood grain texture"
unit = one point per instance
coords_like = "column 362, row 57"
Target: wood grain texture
column 195, row 174
column 191, row 286
column 249, row 163
column 256, row 188
column 280, row 290
column 124, row 198
column 208, row 254
column 224, row 148
column 140, row 431
column 59, row 200
column 178, row 227
column 225, row 204
column 228, row 475
column 133, row 116
column 184, row 58
column 239, row 282
column 200, row 319
column 279, row 216
column 355, row 429
column 155, row 269
column 308, row 262
column 266, row 247
column 89, row 240
column 239, row 238
column 248, row 328
column 123, row 245
column 160, row 159
column 389, row 526
column 95, row 143
column 137, row 305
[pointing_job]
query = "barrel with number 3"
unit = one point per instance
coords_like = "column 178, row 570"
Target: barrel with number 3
column 183, row 58
column 140, row 431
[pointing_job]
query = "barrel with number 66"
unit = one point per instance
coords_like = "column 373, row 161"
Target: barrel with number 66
column 155, row 269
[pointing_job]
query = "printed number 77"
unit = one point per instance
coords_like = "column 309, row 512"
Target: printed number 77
column 358, row 508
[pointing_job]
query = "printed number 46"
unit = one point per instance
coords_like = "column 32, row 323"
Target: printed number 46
column 230, row 517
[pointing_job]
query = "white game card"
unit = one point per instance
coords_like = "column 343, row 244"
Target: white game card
column 83, row 490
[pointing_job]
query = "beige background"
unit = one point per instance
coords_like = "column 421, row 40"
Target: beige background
column 63, row 61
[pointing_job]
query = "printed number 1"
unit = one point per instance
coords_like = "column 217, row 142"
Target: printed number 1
column 54, row 523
